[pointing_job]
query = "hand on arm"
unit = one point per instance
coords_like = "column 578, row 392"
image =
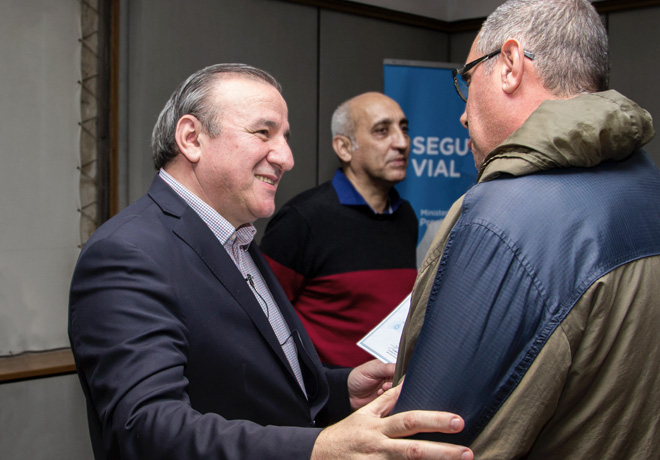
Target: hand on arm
column 369, row 432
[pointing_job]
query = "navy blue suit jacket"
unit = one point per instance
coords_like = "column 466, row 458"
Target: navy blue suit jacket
column 174, row 354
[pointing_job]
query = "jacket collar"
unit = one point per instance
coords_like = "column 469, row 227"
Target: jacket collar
column 349, row 196
column 583, row 131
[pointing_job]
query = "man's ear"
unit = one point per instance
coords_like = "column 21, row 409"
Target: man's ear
column 343, row 148
column 513, row 57
column 188, row 130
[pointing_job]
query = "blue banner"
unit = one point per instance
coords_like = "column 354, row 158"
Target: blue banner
column 441, row 167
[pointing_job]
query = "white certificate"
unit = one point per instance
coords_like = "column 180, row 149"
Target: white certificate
column 383, row 340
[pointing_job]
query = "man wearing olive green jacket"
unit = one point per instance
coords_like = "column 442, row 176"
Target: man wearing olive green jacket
column 535, row 314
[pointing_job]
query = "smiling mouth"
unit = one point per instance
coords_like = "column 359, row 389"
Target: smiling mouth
column 266, row 180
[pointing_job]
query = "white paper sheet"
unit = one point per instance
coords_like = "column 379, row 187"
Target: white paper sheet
column 383, row 340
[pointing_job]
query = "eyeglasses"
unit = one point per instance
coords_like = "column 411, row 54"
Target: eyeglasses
column 461, row 85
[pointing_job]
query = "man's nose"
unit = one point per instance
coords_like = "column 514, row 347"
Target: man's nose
column 282, row 156
column 401, row 141
column 463, row 119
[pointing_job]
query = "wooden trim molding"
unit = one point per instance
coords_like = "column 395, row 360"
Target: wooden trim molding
column 113, row 185
column 36, row 364
column 377, row 12
column 609, row 6
column 344, row 6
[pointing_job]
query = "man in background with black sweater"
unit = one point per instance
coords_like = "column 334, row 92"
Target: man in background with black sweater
column 345, row 251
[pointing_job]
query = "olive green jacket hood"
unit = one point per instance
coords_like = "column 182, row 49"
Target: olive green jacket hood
column 584, row 131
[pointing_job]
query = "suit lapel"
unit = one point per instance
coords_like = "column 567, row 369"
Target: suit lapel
column 191, row 229
column 315, row 385
column 194, row 232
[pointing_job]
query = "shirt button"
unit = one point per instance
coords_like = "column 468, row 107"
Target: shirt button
column 312, row 423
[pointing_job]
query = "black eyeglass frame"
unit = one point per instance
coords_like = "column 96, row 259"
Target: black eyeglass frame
column 456, row 73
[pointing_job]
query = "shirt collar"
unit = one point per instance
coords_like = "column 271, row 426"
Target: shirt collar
column 221, row 228
column 349, row 196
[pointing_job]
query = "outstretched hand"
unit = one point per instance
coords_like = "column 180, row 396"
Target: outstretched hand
column 370, row 432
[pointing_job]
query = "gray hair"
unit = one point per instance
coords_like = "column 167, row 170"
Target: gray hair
column 567, row 38
column 192, row 97
column 343, row 122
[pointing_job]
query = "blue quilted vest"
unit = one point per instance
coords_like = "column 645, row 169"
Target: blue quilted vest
column 523, row 252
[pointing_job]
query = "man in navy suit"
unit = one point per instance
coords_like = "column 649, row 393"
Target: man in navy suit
column 185, row 344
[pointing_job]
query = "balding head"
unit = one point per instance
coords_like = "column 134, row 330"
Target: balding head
column 345, row 116
column 370, row 137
